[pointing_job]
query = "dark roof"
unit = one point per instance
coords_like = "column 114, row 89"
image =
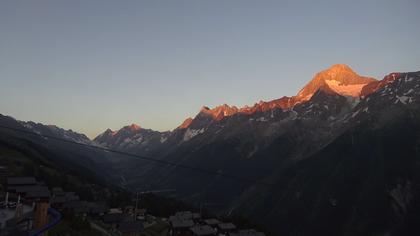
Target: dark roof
column 250, row 232
column 31, row 188
column 128, row 227
column 58, row 191
column 71, row 196
column 38, row 194
column 77, row 206
column 226, row 226
column 196, row 215
column 21, row 181
column 113, row 218
column 58, row 199
column 97, row 207
column 202, row 230
column 212, row 221
column 185, row 215
column 141, row 211
column 180, row 223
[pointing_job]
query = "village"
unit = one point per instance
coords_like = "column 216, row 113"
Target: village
column 29, row 207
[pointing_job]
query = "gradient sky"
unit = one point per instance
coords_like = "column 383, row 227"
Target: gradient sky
column 90, row 65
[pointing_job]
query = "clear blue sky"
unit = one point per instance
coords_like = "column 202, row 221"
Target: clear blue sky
column 90, row 65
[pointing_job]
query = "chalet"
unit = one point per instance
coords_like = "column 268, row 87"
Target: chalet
column 71, row 196
column 185, row 215
column 212, row 222
column 38, row 194
column 129, row 209
column 60, row 198
column 58, row 201
column 226, row 228
column 180, row 226
column 196, row 216
column 188, row 215
column 77, row 207
column 20, row 181
column 130, row 228
column 141, row 214
column 57, row 191
column 98, row 208
column 115, row 210
column 28, row 187
column 202, row 230
column 114, row 219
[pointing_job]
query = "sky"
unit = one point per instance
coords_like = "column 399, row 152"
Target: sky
column 89, row 65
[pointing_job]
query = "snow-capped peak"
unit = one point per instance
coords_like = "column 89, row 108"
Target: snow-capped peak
column 340, row 78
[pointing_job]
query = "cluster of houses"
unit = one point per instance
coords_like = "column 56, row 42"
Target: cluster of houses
column 25, row 204
column 187, row 223
column 126, row 221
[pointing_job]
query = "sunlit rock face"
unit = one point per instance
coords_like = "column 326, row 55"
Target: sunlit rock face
column 338, row 78
column 186, row 123
column 377, row 85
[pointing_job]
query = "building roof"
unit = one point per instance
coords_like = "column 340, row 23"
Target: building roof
column 114, row 218
column 181, row 223
column 38, row 194
column 98, row 208
column 77, row 206
column 212, row 221
column 250, row 232
column 57, row 191
column 115, row 210
column 226, row 226
column 203, row 230
column 58, row 199
column 21, row 181
column 31, row 188
column 71, row 196
column 185, row 215
column 141, row 211
column 85, row 207
column 129, row 227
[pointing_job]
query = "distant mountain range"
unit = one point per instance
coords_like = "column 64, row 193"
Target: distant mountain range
column 338, row 80
column 329, row 100
column 339, row 158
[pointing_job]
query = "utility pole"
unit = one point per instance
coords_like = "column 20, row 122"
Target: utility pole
column 135, row 209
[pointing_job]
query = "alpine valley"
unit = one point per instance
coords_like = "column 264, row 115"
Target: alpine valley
column 342, row 157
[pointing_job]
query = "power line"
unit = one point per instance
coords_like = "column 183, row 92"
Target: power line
column 156, row 161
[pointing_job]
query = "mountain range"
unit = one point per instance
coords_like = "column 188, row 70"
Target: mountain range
column 338, row 80
column 339, row 158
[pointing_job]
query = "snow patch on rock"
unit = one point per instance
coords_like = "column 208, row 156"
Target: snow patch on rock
column 352, row 90
column 191, row 133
